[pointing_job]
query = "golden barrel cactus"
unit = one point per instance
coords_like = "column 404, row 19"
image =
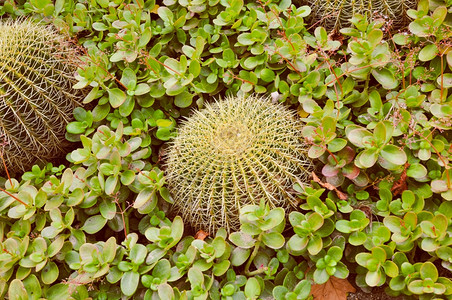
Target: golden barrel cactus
column 233, row 153
column 335, row 14
column 36, row 95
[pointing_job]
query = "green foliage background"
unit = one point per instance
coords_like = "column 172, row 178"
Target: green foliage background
column 377, row 109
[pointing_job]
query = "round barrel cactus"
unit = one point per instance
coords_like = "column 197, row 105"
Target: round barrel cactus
column 232, row 153
column 36, row 95
column 335, row 14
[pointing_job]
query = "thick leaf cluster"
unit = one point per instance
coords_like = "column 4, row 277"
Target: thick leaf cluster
column 377, row 110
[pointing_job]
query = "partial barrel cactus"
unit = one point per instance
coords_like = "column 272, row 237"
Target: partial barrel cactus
column 335, row 14
column 36, row 95
column 232, row 153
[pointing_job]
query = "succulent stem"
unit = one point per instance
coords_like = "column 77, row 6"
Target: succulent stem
column 251, row 258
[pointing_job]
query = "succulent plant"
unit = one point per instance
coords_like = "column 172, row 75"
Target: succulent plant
column 335, row 14
column 232, row 153
column 36, row 96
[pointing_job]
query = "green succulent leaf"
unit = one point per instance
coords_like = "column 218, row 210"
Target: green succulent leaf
column 368, row 157
column 428, row 52
column 242, row 240
column 315, row 245
column 17, row 290
column 273, row 240
column 374, row 278
column 386, row 78
column 357, row 238
column 357, row 136
column 391, row 269
column 57, row 291
column 428, row 270
column 50, row 273
column 416, row 171
column 147, row 194
column 252, row 288
column 129, row 282
column 94, row 224
column 394, row 155
column 116, row 97
column 321, row 276
column 165, row 291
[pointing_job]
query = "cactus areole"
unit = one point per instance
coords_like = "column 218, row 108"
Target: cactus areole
column 232, row 153
column 36, row 95
column 336, row 14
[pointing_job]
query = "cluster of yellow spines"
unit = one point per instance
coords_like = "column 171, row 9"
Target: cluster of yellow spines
column 232, row 153
column 335, row 14
column 36, row 96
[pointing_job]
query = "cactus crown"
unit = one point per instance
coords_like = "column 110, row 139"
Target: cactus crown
column 232, row 153
column 334, row 14
column 36, row 96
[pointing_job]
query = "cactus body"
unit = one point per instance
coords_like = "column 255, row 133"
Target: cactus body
column 232, row 153
column 36, row 96
column 335, row 14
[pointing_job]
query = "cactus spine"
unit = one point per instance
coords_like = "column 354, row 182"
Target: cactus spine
column 232, row 153
column 335, row 14
column 36, row 96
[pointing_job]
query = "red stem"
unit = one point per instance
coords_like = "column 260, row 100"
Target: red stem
column 15, row 198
